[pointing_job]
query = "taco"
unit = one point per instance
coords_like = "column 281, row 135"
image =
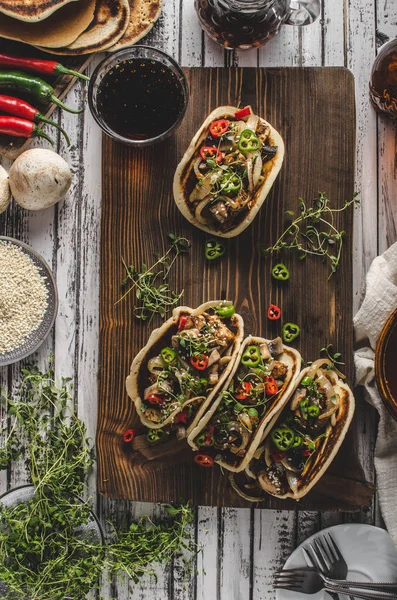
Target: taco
column 228, row 170
column 262, row 380
column 185, row 362
column 303, row 441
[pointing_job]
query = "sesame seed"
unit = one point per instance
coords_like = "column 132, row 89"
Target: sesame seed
column 23, row 297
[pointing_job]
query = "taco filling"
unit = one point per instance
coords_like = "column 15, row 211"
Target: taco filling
column 186, row 367
column 299, row 436
column 230, row 165
column 261, row 376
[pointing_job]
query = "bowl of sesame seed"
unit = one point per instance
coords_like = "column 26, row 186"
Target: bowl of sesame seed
column 28, row 300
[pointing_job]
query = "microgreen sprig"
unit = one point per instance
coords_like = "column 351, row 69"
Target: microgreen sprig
column 313, row 232
column 334, row 357
column 151, row 285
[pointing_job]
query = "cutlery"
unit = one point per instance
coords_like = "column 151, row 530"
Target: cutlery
column 330, row 563
column 309, row 581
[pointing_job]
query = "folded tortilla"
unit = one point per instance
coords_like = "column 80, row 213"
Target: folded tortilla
column 323, row 457
column 184, row 176
column 292, row 359
column 134, row 383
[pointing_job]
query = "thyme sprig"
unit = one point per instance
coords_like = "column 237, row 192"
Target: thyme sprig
column 152, row 290
column 45, row 555
column 313, row 232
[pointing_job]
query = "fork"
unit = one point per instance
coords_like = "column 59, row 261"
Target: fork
column 329, row 560
column 309, row 581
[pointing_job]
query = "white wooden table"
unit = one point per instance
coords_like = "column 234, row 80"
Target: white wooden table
column 241, row 548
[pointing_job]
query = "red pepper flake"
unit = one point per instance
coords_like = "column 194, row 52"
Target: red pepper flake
column 273, row 312
column 129, row 435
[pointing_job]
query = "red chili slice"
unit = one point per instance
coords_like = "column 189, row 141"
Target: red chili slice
column 306, row 452
column 211, row 152
column 278, row 455
column 183, row 416
column 210, row 435
column 243, row 391
column 273, row 312
column 204, row 460
column 271, row 386
column 129, row 435
column 199, row 362
column 244, row 112
column 219, row 127
column 182, row 323
column 155, row 399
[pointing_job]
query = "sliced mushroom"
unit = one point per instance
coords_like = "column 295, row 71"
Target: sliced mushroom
column 245, row 420
column 265, row 483
column 276, row 346
column 214, row 357
column 213, row 373
column 219, row 212
column 279, row 369
column 297, row 398
column 152, row 389
column 153, row 414
column 265, row 354
column 225, row 360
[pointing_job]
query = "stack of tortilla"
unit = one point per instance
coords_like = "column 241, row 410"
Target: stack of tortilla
column 73, row 27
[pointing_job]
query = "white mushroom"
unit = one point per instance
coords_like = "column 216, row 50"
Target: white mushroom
column 265, row 354
column 39, row 178
column 5, row 194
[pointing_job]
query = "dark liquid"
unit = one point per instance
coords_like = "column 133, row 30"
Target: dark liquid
column 140, row 98
column 383, row 85
column 247, row 28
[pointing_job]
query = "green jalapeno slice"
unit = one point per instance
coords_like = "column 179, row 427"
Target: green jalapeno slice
column 313, row 411
column 230, row 183
column 298, row 441
column 306, row 381
column 251, row 356
column 225, row 311
column 248, row 141
column 290, row 332
column 214, row 249
column 303, row 407
column 280, row 272
column 168, row 355
column 282, row 438
column 155, row 435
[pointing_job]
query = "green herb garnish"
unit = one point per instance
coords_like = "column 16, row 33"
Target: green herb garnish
column 44, row 554
column 152, row 291
column 313, row 232
column 334, row 357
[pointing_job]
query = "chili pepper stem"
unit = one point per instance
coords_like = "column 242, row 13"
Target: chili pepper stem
column 61, row 70
column 56, row 101
column 61, row 129
column 40, row 133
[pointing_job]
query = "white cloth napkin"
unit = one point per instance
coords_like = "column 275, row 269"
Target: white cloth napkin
column 379, row 302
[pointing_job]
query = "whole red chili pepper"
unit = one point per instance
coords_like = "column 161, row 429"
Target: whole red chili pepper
column 273, row 312
column 36, row 65
column 24, row 110
column 21, row 128
column 129, row 435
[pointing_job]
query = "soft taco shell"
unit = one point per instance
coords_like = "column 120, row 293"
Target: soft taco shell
column 183, row 176
column 290, row 357
column 133, row 382
column 60, row 29
column 328, row 451
column 110, row 21
column 143, row 15
column 31, row 11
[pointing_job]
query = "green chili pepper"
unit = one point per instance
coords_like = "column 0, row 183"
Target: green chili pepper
column 306, row 381
column 202, row 439
column 248, row 141
column 225, row 311
column 303, row 407
column 168, row 355
column 214, row 249
column 155, row 435
column 251, row 356
column 252, row 412
column 290, row 332
column 36, row 87
column 230, row 183
column 282, row 438
column 280, row 272
column 298, row 441
column 313, row 411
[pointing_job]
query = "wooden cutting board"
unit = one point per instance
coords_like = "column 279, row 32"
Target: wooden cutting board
column 11, row 147
column 314, row 111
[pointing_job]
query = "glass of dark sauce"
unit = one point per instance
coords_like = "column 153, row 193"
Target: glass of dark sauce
column 138, row 96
